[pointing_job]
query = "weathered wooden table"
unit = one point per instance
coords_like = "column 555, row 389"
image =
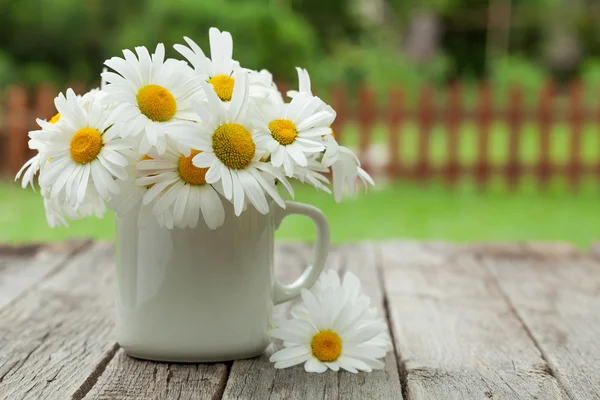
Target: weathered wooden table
column 468, row 322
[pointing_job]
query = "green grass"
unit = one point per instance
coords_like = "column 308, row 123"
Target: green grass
column 388, row 211
column 400, row 210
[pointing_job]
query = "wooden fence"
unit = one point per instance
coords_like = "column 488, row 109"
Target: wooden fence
column 21, row 106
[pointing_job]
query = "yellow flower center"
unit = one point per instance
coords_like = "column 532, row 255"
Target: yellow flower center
column 156, row 103
column 332, row 133
column 86, row 145
column 283, row 130
column 223, row 85
column 190, row 173
column 233, row 145
column 326, row 346
column 55, row 118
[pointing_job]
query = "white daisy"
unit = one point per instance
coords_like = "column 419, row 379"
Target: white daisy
column 54, row 213
column 313, row 175
column 337, row 333
column 227, row 148
column 58, row 210
column 303, row 83
column 329, row 280
column 177, row 187
column 345, row 168
column 219, row 70
column 156, row 94
column 83, row 151
column 291, row 132
column 262, row 86
column 131, row 195
column 35, row 163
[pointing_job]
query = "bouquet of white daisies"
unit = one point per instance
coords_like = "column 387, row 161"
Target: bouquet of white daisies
column 184, row 137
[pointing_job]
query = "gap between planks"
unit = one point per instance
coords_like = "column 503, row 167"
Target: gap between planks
column 455, row 335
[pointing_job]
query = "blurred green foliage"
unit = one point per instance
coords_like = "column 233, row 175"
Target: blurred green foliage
column 63, row 40
column 68, row 40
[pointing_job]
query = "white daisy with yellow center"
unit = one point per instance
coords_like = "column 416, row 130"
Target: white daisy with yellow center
column 36, row 163
column 337, row 332
column 291, row 132
column 83, row 150
column 155, row 94
column 330, row 280
column 231, row 155
column 179, row 189
column 219, row 70
column 344, row 164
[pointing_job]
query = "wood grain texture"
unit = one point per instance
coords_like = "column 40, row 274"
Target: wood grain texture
column 456, row 335
column 126, row 378
column 559, row 301
column 56, row 339
column 22, row 267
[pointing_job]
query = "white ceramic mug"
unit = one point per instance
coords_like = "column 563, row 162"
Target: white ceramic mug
column 198, row 295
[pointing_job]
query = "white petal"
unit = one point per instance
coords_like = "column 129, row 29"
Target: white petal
column 290, row 352
column 289, row 336
column 253, row 190
column 314, row 365
column 291, row 362
column 212, row 208
column 203, row 160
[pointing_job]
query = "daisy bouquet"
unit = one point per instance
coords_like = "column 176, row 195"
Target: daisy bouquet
column 182, row 137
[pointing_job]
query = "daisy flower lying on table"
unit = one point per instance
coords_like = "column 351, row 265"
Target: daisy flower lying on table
column 334, row 327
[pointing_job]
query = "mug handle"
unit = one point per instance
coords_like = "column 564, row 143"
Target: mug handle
column 308, row 278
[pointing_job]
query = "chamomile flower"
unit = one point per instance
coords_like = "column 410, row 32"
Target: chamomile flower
column 313, row 175
column 155, row 94
column 303, row 83
column 58, row 210
column 345, row 169
column 35, row 163
column 345, row 166
column 227, row 148
column 292, row 131
column 329, row 280
column 336, row 333
column 83, row 151
column 262, row 86
column 130, row 194
column 177, row 187
column 220, row 68
column 130, row 197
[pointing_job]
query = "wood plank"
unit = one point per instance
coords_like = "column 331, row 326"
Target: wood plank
column 457, row 336
column 128, row 379
column 56, row 339
column 21, row 267
column 559, row 301
column 362, row 260
column 256, row 378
